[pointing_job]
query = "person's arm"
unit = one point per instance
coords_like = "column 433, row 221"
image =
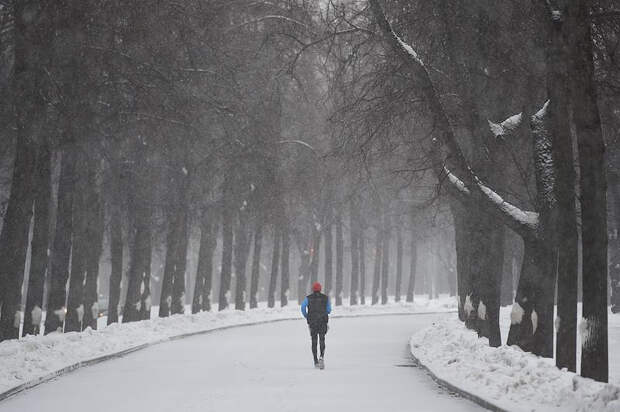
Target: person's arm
column 304, row 308
column 329, row 306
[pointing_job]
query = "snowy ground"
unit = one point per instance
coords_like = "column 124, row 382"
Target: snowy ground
column 26, row 360
column 510, row 378
column 259, row 368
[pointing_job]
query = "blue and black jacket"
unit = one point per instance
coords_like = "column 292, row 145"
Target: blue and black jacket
column 316, row 309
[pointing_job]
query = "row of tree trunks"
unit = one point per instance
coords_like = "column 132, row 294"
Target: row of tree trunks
column 329, row 253
column 116, row 244
column 362, row 257
column 228, row 207
column 275, row 260
column 376, row 280
column 285, row 262
column 399, row 262
column 385, row 267
column 339, row 259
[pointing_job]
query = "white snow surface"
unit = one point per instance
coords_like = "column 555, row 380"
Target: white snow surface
column 33, row 357
column 508, row 377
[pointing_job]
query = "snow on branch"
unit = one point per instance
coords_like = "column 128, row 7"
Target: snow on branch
column 524, row 217
column 456, row 182
column 506, row 127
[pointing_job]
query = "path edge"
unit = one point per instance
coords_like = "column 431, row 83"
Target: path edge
column 453, row 387
column 99, row 359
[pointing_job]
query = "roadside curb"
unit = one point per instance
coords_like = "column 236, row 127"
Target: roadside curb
column 99, row 359
column 453, row 388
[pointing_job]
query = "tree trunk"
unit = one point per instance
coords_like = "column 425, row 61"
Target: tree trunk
column 285, row 262
column 329, row 261
column 40, row 243
column 355, row 253
column 256, row 255
column 140, row 251
column 594, row 355
column 315, row 254
column 227, row 242
column 165, row 298
column 94, row 241
column 61, row 250
column 275, row 260
column 377, row 272
column 180, row 258
column 562, row 148
column 241, row 260
column 385, row 268
column 79, row 251
column 362, row 255
column 412, row 268
column 204, row 272
column 339, row 259
column 116, row 245
column 399, row 262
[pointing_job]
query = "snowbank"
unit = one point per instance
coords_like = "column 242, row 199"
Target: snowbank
column 507, row 377
column 35, row 359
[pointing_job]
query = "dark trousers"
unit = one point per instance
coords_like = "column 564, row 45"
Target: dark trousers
column 317, row 333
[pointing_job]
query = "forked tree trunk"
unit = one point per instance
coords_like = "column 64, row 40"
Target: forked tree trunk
column 61, row 249
column 40, row 243
column 339, row 259
column 256, row 255
column 275, row 260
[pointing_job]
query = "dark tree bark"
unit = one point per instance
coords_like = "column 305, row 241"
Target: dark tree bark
column 399, row 262
column 204, row 272
column 385, row 267
column 594, row 355
column 285, row 262
column 362, row 254
column 339, row 259
column 256, row 255
column 40, row 243
column 227, row 243
column 412, row 268
column 376, row 281
column 242, row 249
column 275, row 260
column 180, row 259
column 355, row 253
column 172, row 240
column 329, row 261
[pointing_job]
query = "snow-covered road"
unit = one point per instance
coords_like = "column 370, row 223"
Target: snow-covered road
column 257, row 368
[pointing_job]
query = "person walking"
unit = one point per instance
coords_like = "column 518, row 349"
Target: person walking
column 316, row 309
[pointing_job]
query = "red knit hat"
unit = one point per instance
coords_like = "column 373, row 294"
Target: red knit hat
column 316, row 287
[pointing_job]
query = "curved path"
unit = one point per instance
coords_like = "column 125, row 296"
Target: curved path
column 257, row 368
